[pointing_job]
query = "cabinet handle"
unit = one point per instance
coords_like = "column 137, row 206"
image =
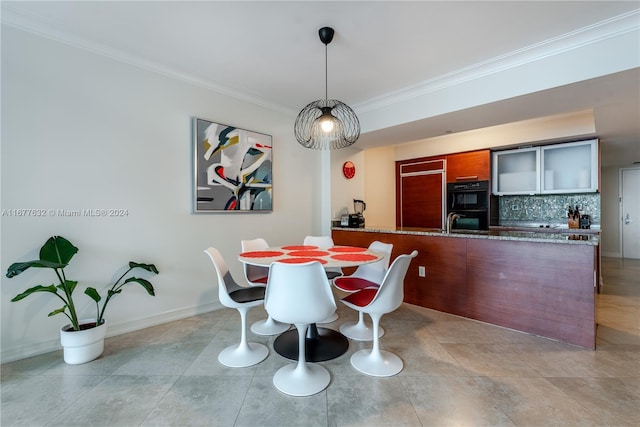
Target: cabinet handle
column 460, row 178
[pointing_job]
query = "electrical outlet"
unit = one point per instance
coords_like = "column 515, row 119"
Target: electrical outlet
column 422, row 271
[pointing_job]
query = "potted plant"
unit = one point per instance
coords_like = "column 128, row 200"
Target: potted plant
column 82, row 339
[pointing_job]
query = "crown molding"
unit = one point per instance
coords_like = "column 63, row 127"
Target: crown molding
column 593, row 34
column 589, row 35
column 40, row 26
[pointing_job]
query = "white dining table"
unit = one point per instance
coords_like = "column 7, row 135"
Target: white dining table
column 336, row 256
column 321, row 343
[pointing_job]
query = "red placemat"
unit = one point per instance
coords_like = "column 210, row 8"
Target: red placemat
column 261, row 254
column 301, row 260
column 347, row 249
column 299, row 248
column 354, row 257
column 308, row 253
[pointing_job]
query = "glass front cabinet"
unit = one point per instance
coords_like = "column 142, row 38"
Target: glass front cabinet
column 570, row 168
column 516, row 171
column 558, row 168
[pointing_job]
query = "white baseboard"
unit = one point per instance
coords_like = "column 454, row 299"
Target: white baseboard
column 23, row 352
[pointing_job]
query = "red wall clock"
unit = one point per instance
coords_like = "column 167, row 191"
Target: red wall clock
column 348, row 170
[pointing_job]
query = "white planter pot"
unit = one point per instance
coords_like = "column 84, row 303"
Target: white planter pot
column 84, row 345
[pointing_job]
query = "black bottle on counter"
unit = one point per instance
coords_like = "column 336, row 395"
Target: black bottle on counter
column 585, row 221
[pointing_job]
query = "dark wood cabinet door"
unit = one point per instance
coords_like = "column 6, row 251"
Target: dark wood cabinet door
column 421, row 201
column 469, row 166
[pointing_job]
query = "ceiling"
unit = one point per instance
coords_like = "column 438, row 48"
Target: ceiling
column 268, row 53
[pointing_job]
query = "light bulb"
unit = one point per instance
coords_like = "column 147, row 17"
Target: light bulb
column 326, row 125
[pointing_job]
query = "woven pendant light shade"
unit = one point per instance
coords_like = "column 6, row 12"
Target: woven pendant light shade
column 326, row 123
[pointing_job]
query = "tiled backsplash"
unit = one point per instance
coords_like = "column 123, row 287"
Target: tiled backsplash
column 548, row 208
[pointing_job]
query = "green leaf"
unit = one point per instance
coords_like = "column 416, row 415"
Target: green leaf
column 144, row 283
column 38, row 288
column 18, row 267
column 68, row 286
column 149, row 267
column 58, row 311
column 93, row 294
column 58, row 249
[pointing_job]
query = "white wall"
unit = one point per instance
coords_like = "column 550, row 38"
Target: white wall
column 374, row 183
column 380, row 189
column 83, row 131
column 344, row 190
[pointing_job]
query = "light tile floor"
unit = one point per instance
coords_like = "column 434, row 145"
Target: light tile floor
column 457, row 373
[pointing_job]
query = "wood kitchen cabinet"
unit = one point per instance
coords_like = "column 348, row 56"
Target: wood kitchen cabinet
column 469, row 166
column 420, row 190
column 421, row 185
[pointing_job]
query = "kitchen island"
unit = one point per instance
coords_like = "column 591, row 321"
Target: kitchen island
column 542, row 283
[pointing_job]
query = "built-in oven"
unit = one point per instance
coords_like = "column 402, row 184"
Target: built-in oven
column 470, row 201
column 470, row 220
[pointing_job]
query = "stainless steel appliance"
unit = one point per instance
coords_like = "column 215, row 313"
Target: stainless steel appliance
column 470, row 201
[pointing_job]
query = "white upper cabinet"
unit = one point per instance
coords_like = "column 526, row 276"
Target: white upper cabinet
column 516, row 171
column 549, row 169
column 570, row 168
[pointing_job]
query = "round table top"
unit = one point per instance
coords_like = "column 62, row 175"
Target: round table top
column 336, row 256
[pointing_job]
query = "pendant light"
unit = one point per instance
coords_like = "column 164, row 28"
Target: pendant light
column 326, row 123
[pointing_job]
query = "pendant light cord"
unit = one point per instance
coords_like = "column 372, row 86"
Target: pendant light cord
column 326, row 75
column 308, row 127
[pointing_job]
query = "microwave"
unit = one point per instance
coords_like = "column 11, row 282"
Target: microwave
column 463, row 196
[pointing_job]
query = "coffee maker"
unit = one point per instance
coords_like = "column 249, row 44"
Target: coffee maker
column 356, row 220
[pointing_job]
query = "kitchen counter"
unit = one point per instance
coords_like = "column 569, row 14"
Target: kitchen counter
column 565, row 236
column 540, row 282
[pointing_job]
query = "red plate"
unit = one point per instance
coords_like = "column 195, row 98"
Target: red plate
column 308, row 253
column 261, row 254
column 354, row 257
column 347, row 249
column 301, row 260
column 299, row 248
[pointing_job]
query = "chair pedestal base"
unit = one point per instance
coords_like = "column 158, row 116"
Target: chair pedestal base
column 321, row 344
column 376, row 364
column 269, row 326
column 239, row 356
column 359, row 331
column 301, row 381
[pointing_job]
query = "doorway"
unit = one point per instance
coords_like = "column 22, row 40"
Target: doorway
column 630, row 213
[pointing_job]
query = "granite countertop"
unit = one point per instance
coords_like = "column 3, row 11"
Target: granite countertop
column 565, row 236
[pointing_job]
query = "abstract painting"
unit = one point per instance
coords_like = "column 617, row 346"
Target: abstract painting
column 232, row 169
